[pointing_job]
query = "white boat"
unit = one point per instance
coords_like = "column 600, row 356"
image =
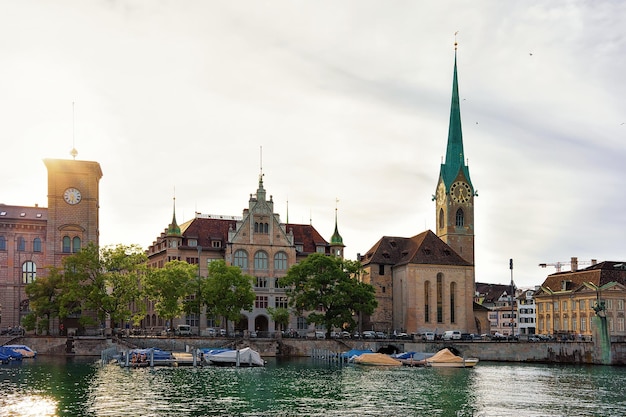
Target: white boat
column 239, row 357
column 446, row 359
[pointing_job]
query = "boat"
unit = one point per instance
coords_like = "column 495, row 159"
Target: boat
column 350, row 355
column 136, row 358
column 23, row 349
column 446, row 359
column 7, row 355
column 231, row 357
column 376, row 359
column 413, row 358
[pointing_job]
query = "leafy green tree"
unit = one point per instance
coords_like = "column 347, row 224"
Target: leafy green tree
column 329, row 289
column 103, row 281
column 169, row 286
column 43, row 301
column 226, row 291
column 280, row 316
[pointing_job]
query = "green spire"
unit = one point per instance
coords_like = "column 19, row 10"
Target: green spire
column 173, row 229
column 455, row 158
column 336, row 239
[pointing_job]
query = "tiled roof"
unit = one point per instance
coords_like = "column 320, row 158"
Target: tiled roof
column 491, row 293
column 307, row 236
column 23, row 213
column 599, row 274
column 207, row 230
column 425, row 248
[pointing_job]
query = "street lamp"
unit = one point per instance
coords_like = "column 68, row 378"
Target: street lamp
column 198, row 293
column 512, row 315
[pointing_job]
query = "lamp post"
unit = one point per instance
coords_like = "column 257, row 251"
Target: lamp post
column 198, row 289
column 512, row 294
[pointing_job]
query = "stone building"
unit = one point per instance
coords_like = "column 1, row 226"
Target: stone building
column 426, row 282
column 32, row 239
column 258, row 242
column 566, row 300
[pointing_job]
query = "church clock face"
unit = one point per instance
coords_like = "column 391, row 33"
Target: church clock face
column 460, row 192
column 72, row 196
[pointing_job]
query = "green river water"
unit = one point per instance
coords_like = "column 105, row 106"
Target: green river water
column 48, row 386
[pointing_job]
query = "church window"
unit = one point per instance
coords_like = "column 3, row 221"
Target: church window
column 67, row 244
column 442, row 222
column 37, row 245
column 241, row 259
column 29, row 272
column 427, row 301
column 452, row 305
column 280, row 261
column 440, row 298
column 261, row 227
column 260, row 260
column 76, row 244
column 21, row 244
column 459, row 218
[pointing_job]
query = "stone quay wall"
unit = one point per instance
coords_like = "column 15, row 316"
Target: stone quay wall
column 574, row 352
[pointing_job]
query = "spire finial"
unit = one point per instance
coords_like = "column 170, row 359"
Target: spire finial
column 261, row 164
column 73, row 152
column 455, row 42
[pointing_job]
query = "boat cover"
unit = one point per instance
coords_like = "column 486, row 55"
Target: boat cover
column 379, row 359
column 444, row 355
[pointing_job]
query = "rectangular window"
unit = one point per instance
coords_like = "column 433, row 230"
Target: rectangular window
column 192, row 242
column 564, row 305
column 556, row 306
column 191, row 319
column 620, row 324
column 299, row 248
column 583, row 324
column 281, row 302
column 260, row 301
column 261, row 282
column 320, row 249
column 21, row 244
column 381, row 269
column 609, row 304
column 301, row 323
column 216, row 243
column 620, row 305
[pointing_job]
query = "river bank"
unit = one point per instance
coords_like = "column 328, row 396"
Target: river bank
column 570, row 352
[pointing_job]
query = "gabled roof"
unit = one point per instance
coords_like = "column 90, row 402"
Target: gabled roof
column 599, row 274
column 425, row 248
column 23, row 212
column 492, row 293
column 207, row 230
column 307, row 236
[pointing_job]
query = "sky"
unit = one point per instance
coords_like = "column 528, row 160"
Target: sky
column 343, row 105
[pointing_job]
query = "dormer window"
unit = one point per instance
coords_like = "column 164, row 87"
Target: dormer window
column 192, row 242
column 320, row 249
column 216, row 244
column 300, row 248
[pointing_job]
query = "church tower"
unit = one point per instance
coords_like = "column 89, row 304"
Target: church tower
column 455, row 193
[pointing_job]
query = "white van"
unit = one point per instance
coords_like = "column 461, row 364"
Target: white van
column 451, row 335
column 183, row 330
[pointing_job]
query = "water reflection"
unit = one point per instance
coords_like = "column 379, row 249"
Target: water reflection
column 49, row 387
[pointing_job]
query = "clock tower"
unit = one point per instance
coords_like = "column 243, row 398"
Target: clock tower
column 73, row 206
column 455, row 193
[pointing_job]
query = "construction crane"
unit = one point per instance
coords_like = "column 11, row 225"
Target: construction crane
column 574, row 263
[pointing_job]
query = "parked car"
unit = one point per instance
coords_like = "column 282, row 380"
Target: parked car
column 381, row 335
column 428, row 336
column 451, row 335
column 345, row 335
column 402, row 336
column 320, row 335
column 369, row 334
column 183, row 330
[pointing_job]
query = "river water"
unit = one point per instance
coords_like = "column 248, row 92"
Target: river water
column 49, row 386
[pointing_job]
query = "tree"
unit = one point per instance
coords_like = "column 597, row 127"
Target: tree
column 168, row 287
column 43, row 301
column 280, row 316
column 104, row 282
column 328, row 288
column 226, row 291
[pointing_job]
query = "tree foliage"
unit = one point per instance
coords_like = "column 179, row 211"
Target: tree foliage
column 169, row 286
column 328, row 288
column 43, row 301
column 226, row 291
column 280, row 316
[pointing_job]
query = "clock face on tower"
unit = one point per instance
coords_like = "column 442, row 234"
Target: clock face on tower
column 72, row 196
column 460, row 192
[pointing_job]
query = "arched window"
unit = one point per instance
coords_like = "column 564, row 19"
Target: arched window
column 442, row 221
column 29, row 272
column 280, row 261
column 260, row 260
column 76, row 244
column 37, row 245
column 67, row 244
column 452, row 306
column 3, row 243
column 241, row 259
column 427, row 302
column 440, row 298
column 21, row 244
column 459, row 218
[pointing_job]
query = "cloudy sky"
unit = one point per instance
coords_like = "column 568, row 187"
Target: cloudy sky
column 348, row 100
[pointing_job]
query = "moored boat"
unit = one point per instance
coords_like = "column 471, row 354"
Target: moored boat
column 231, row 357
column 446, row 359
column 24, row 350
column 7, row 355
column 376, row 359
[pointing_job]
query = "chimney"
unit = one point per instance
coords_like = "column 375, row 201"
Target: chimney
column 574, row 264
column 594, row 262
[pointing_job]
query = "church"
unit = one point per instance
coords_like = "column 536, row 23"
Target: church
column 425, row 283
